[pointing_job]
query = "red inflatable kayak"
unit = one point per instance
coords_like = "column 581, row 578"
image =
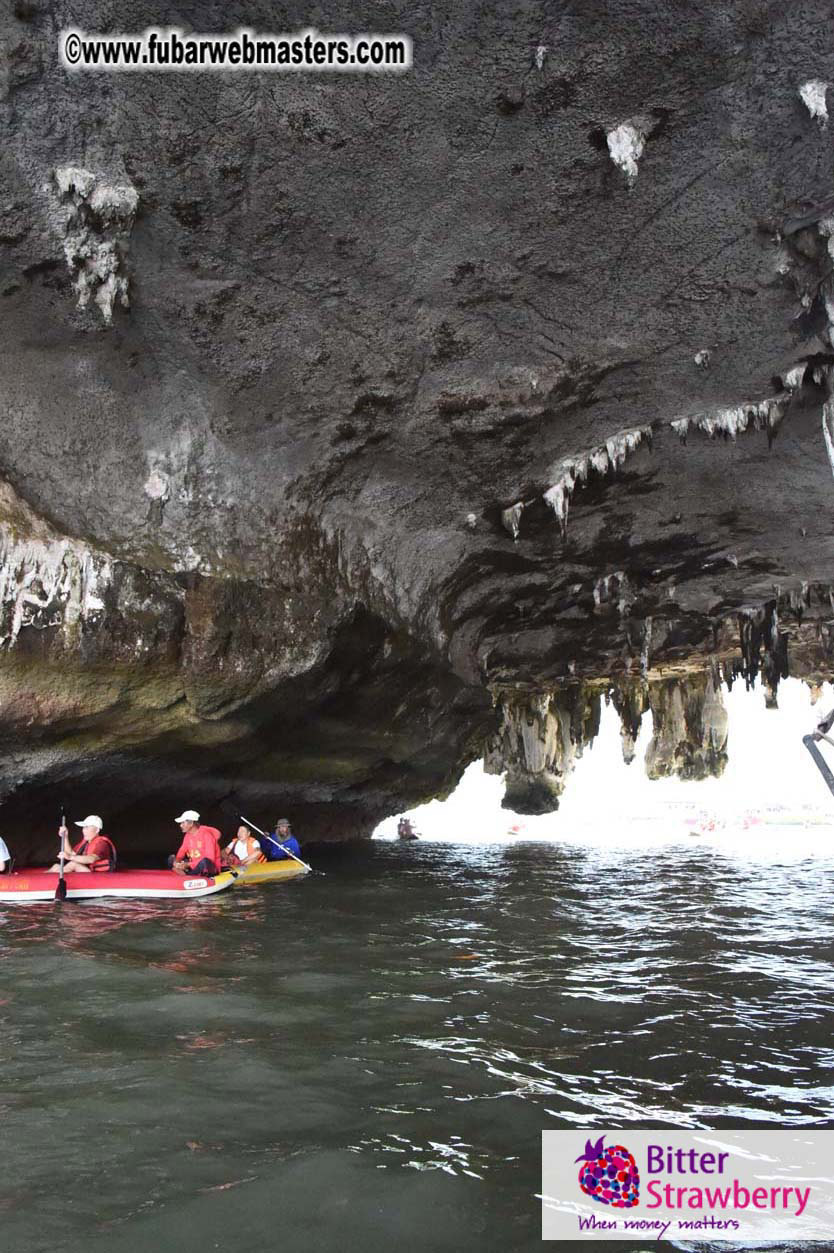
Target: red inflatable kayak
column 40, row 885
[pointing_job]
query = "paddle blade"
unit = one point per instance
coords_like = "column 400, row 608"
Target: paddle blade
column 61, row 890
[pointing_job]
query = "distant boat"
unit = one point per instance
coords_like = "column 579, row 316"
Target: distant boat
column 709, row 824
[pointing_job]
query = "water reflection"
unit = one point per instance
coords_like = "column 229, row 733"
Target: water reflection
column 421, row 1011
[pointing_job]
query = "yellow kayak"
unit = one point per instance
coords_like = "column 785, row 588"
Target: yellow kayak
column 267, row 871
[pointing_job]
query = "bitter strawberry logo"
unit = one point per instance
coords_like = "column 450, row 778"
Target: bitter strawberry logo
column 609, row 1175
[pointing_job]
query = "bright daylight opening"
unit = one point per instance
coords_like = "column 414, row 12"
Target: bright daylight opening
column 769, row 795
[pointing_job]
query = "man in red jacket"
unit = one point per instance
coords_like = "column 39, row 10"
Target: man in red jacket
column 199, row 852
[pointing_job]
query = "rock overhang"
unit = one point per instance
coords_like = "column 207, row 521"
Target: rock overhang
column 400, row 427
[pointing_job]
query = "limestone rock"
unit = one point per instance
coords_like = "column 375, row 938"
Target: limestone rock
column 538, row 742
column 393, row 423
column 95, row 216
column 690, row 728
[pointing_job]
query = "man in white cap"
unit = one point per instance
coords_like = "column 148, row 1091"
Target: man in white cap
column 94, row 852
column 199, row 852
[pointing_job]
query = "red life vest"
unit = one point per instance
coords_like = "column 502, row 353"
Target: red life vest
column 103, row 863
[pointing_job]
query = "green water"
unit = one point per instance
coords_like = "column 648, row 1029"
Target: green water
column 368, row 1059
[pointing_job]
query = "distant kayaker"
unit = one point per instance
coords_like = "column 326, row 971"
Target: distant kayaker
column 281, row 835
column 95, row 852
column 5, row 856
column 405, row 831
column 244, row 849
column 199, row 852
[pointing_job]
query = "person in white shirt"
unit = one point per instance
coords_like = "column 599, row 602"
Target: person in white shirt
column 244, row 849
column 5, row 856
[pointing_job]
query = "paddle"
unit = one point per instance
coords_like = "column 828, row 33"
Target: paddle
column 277, row 844
column 61, row 889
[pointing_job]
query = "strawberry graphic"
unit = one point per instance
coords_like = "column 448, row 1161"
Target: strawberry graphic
column 609, row 1175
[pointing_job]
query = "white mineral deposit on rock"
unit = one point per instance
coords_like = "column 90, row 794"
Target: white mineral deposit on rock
column 157, row 485
column 610, row 456
column 731, row 422
column 613, row 589
column 47, row 583
column 828, row 423
column 625, row 146
column 511, row 518
column 95, row 217
column 812, row 94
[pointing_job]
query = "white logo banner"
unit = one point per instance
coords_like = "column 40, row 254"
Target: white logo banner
column 688, row 1185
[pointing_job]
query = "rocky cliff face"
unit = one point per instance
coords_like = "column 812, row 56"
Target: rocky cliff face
column 354, row 423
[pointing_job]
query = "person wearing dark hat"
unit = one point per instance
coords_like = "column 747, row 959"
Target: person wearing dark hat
column 282, row 843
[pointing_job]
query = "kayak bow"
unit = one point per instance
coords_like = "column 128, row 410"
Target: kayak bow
column 266, row 871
